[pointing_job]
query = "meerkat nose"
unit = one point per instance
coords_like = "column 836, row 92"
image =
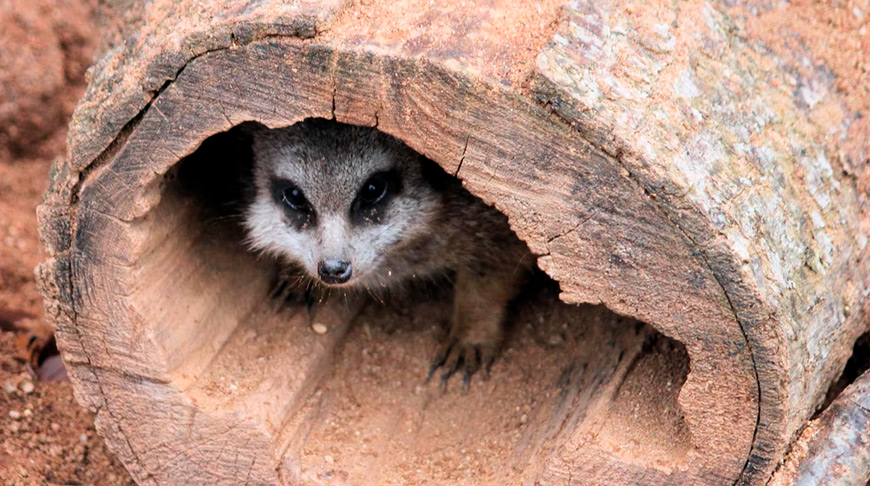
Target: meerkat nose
column 334, row 271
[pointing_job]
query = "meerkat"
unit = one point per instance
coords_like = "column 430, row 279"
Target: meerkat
column 355, row 209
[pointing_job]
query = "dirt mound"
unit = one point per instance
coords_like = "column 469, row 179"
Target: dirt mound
column 45, row 47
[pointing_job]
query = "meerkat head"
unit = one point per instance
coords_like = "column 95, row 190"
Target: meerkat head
column 336, row 199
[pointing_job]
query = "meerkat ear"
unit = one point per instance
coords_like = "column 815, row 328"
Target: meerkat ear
column 271, row 142
column 263, row 141
column 253, row 133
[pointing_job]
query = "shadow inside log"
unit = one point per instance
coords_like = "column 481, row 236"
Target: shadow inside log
column 350, row 404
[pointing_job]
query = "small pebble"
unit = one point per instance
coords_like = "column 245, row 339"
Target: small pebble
column 319, row 328
column 524, row 418
column 14, row 414
column 54, row 427
column 83, row 438
column 28, row 412
column 14, row 427
column 9, row 387
column 329, row 459
column 27, row 387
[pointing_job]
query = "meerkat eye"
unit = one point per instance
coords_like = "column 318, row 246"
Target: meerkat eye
column 293, row 197
column 374, row 189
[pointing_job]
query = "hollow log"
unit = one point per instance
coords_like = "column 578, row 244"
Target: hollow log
column 668, row 170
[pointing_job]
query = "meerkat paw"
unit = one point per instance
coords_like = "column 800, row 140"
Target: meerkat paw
column 476, row 329
column 455, row 354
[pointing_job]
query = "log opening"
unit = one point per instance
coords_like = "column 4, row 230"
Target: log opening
column 351, row 404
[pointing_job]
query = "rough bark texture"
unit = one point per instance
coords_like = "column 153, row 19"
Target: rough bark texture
column 834, row 449
column 655, row 160
column 739, row 148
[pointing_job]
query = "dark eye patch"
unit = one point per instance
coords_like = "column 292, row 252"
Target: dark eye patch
column 299, row 212
column 373, row 196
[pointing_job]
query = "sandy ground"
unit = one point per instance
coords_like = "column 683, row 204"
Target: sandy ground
column 46, row 438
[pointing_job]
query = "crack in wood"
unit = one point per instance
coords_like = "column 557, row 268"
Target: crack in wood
column 462, row 157
column 569, row 231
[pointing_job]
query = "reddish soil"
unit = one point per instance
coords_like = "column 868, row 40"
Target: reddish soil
column 46, row 47
column 45, row 436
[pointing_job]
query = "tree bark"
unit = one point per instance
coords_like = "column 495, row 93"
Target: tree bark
column 654, row 159
column 834, row 449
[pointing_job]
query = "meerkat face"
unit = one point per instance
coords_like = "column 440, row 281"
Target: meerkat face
column 336, row 199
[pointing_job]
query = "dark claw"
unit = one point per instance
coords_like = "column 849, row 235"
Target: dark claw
column 451, row 364
column 454, row 359
column 454, row 355
column 466, row 379
column 436, row 363
column 473, row 365
column 442, row 385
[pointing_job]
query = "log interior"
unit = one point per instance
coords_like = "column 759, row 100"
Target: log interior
column 351, row 405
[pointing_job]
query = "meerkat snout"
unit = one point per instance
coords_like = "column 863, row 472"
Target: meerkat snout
column 334, row 271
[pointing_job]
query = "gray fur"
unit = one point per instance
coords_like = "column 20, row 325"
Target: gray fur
column 425, row 231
